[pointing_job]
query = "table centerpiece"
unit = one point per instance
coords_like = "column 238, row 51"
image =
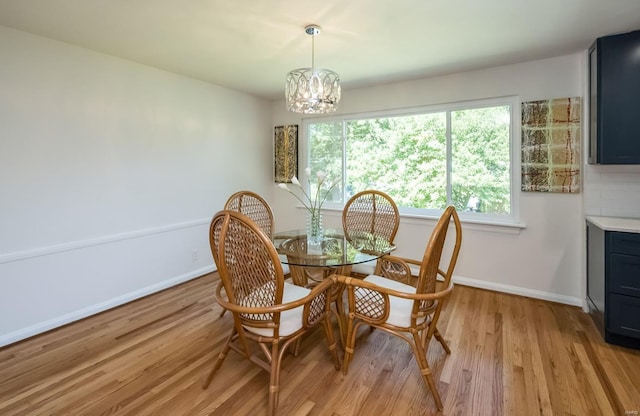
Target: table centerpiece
column 313, row 202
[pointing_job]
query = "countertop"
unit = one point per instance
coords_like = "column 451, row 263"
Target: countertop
column 627, row 225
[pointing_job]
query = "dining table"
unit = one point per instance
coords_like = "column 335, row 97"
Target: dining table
column 335, row 254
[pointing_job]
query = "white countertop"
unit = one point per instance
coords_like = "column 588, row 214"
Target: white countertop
column 627, row 225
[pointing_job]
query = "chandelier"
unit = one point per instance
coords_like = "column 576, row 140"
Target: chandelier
column 312, row 90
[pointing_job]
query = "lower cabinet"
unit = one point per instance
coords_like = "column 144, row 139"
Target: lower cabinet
column 624, row 316
column 613, row 284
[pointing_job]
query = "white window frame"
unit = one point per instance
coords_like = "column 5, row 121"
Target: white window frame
column 510, row 220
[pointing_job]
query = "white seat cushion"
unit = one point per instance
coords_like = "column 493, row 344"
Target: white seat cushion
column 365, row 268
column 290, row 320
column 285, row 267
column 369, row 267
column 400, row 309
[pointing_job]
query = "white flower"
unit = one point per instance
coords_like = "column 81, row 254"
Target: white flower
column 313, row 201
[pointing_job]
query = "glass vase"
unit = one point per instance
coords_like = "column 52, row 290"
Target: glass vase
column 315, row 232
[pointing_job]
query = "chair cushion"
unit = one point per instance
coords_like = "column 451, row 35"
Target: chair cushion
column 285, row 267
column 366, row 268
column 369, row 267
column 290, row 320
column 400, row 309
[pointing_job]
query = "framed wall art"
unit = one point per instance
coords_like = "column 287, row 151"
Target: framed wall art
column 286, row 152
column 551, row 135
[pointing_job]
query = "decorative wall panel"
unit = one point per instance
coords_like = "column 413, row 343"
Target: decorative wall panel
column 551, row 136
column 286, row 152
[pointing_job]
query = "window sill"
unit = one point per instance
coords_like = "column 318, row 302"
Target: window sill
column 469, row 223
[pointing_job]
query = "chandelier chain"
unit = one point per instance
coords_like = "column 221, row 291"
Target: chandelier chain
column 313, row 51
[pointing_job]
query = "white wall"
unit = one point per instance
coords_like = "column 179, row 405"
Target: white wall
column 544, row 259
column 110, row 172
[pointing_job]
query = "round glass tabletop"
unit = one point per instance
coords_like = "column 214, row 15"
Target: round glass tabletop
column 333, row 251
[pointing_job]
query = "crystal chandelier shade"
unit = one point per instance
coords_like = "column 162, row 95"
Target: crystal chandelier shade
column 312, row 90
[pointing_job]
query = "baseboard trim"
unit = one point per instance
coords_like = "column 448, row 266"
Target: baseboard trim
column 498, row 287
column 75, row 245
column 68, row 318
column 516, row 290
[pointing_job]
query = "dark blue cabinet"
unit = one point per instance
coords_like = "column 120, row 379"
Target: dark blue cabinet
column 613, row 284
column 614, row 104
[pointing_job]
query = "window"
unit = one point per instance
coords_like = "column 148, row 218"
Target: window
column 425, row 159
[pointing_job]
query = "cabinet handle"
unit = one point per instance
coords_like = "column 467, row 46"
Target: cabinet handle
column 630, row 329
column 630, row 288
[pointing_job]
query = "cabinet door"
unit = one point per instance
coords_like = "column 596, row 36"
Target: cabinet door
column 623, row 269
column 618, row 93
column 594, row 156
column 625, row 275
column 624, row 243
column 624, row 315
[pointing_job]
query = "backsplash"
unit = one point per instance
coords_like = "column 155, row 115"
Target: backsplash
column 612, row 190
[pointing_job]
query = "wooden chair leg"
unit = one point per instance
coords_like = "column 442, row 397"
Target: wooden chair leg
column 295, row 347
column 442, row 341
column 221, row 356
column 421, row 358
column 338, row 298
column 331, row 341
column 349, row 346
column 338, row 314
column 428, row 377
column 274, row 383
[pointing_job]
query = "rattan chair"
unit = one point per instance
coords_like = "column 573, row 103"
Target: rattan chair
column 266, row 309
column 255, row 207
column 408, row 308
column 369, row 215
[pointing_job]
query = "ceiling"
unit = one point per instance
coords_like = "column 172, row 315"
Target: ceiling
column 250, row 45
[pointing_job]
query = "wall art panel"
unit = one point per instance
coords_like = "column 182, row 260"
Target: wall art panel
column 551, row 136
column 286, row 152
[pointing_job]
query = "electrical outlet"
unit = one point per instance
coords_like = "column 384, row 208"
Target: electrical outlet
column 194, row 255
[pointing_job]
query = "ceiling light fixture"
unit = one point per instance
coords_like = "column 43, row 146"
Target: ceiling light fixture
column 312, row 90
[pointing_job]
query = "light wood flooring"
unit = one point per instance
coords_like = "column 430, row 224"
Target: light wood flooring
column 510, row 356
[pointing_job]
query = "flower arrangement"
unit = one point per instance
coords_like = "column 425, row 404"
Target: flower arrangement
column 312, row 201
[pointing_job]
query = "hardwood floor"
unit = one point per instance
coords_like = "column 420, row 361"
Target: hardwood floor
column 510, row 356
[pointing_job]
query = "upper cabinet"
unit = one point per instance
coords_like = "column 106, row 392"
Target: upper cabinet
column 614, row 105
